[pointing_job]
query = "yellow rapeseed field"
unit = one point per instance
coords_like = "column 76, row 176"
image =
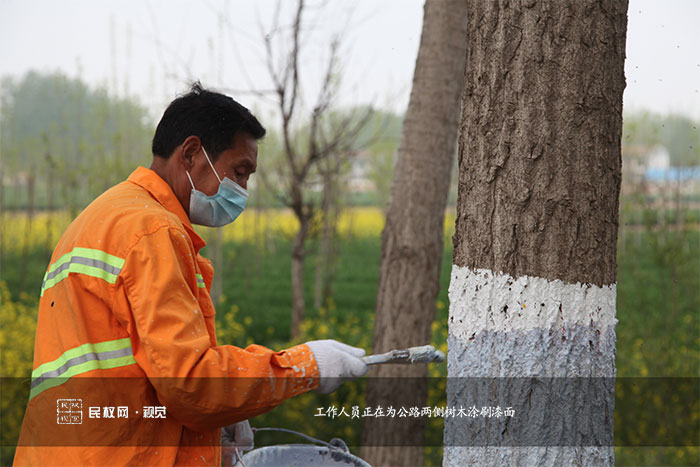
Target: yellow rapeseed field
column 44, row 229
column 357, row 222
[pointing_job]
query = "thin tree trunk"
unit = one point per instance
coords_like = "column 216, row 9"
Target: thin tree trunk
column 330, row 246
column 49, row 197
column 532, row 292
column 217, row 258
column 326, row 251
column 412, row 240
column 249, row 254
column 323, row 243
column 679, row 214
column 298, row 257
column 319, row 279
column 50, row 214
column 27, row 229
column 3, row 221
column 258, row 239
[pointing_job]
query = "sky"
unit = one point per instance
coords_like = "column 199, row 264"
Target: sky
column 151, row 49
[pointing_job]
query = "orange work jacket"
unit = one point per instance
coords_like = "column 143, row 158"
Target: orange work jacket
column 127, row 369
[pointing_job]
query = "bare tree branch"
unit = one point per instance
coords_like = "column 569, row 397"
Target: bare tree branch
column 293, row 63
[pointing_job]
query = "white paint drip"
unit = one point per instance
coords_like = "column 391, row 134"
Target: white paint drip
column 482, row 300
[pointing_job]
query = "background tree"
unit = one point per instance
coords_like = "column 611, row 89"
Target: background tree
column 309, row 136
column 533, row 285
column 373, row 161
column 412, row 239
column 330, row 171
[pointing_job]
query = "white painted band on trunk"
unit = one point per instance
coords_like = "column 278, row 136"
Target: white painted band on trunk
column 482, row 300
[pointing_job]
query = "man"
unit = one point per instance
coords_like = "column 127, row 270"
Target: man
column 126, row 355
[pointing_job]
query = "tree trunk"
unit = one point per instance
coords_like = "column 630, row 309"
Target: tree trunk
column 27, row 228
column 50, row 216
column 51, row 170
column 3, row 221
column 320, row 275
column 298, row 257
column 330, row 210
column 532, row 292
column 216, row 245
column 412, row 240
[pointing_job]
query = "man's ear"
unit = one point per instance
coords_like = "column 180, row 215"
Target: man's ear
column 189, row 148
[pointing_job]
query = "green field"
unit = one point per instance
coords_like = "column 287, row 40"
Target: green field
column 658, row 313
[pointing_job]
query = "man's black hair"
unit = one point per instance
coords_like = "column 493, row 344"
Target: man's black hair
column 215, row 118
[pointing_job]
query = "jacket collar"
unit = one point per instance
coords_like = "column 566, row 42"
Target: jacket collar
column 163, row 194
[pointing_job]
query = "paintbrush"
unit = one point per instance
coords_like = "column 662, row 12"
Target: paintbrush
column 422, row 354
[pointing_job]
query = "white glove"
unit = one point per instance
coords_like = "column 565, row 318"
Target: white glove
column 237, row 436
column 336, row 363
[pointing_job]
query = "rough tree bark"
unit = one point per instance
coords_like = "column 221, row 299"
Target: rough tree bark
column 412, row 240
column 532, row 291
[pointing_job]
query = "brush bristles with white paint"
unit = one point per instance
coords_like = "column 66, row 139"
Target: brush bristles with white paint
column 421, row 354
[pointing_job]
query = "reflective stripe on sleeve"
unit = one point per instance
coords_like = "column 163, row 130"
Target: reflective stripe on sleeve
column 86, row 261
column 81, row 359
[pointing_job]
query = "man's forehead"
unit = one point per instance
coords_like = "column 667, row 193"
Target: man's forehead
column 244, row 144
column 250, row 146
column 249, row 150
column 245, row 150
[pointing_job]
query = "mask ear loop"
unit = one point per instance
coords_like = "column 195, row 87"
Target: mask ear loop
column 211, row 165
column 188, row 176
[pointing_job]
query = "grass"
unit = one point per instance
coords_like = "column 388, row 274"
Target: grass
column 658, row 311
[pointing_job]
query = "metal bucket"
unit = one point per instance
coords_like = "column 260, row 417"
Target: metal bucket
column 332, row 454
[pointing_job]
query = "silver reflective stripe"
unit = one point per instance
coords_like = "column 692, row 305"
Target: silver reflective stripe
column 95, row 263
column 80, row 360
column 85, row 261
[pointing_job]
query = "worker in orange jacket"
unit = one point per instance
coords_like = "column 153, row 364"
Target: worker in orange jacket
column 127, row 369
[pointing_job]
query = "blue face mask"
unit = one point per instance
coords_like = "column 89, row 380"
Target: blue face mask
column 221, row 208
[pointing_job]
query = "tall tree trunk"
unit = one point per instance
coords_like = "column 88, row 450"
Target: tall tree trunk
column 412, row 240
column 532, row 291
